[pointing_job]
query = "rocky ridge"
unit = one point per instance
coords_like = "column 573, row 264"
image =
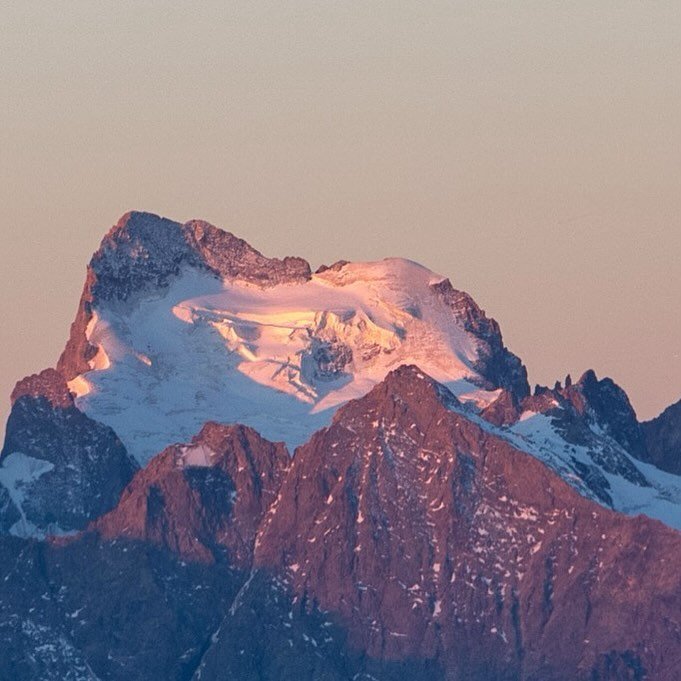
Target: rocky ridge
column 590, row 414
column 203, row 500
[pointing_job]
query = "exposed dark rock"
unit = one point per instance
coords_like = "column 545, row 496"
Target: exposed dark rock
column 265, row 635
column 295, row 640
column 75, row 359
column 233, row 258
column 595, row 414
column 76, row 468
column 143, row 250
column 496, row 363
column 663, row 439
column 34, row 629
column 9, row 513
column 106, row 610
column 325, row 360
column 609, row 406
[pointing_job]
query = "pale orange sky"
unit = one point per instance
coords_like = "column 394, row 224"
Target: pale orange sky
column 530, row 151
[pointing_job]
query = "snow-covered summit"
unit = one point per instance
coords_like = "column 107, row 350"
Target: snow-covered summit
column 180, row 324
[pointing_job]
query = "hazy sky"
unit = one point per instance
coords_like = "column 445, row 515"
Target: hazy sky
column 530, row 151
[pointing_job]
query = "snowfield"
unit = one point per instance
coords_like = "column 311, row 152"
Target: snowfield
column 279, row 359
column 660, row 498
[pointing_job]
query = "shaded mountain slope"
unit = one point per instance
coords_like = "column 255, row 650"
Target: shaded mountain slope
column 663, row 439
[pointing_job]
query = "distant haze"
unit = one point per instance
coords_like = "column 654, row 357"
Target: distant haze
column 530, row 151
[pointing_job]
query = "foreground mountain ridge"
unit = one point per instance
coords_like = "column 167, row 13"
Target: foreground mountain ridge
column 437, row 520
column 403, row 538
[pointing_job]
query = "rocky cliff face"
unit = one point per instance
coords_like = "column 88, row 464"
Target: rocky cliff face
column 587, row 404
column 59, row 469
column 203, row 501
column 607, row 406
column 663, row 440
column 435, row 540
column 499, row 365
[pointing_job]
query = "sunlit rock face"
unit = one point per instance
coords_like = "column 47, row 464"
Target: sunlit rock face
column 204, row 500
column 438, row 541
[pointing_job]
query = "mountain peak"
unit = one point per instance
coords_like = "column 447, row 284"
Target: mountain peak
column 203, row 498
column 144, row 252
column 409, row 385
column 266, row 329
column 410, row 520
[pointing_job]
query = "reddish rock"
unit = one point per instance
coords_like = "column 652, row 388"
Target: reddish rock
column 49, row 384
column 204, row 498
column 75, row 358
column 504, row 411
column 430, row 538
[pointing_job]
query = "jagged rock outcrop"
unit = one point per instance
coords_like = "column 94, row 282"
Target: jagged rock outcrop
column 590, row 409
column 592, row 415
column 607, row 405
column 496, row 362
column 663, row 440
column 144, row 250
column 59, row 469
column 203, row 499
